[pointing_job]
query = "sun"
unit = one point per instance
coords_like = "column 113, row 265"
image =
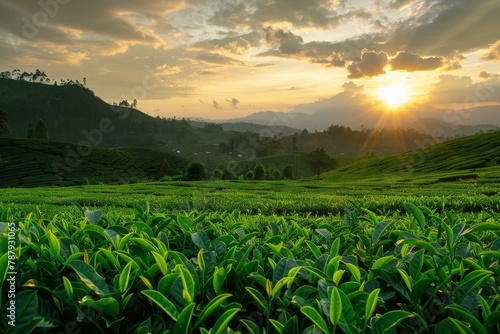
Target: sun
column 394, row 95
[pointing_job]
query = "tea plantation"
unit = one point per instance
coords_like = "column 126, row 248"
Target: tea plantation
column 373, row 247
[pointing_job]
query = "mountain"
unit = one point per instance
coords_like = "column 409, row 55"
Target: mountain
column 73, row 113
column 448, row 124
column 33, row 162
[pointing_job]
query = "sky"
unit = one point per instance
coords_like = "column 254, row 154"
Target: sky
column 227, row 59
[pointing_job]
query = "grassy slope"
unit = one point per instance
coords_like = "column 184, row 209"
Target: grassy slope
column 457, row 159
column 29, row 163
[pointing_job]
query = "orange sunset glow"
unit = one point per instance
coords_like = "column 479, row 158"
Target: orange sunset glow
column 229, row 59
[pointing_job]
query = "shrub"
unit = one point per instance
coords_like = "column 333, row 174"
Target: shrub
column 250, row 175
column 259, row 172
column 288, row 172
column 276, row 174
column 196, row 171
column 217, row 173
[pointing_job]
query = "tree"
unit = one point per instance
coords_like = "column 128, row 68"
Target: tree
column 5, row 129
column 319, row 161
column 134, row 104
column 196, row 171
column 288, row 172
column 31, row 131
column 259, row 172
column 41, row 131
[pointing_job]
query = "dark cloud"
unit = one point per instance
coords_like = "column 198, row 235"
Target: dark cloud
column 233, row 102
column 450, row 25
column 493, row 53
column 410, row 62
column 370, row 64
column 230, row 15
column 106, row 19
column 234, row 44
column 302, row 14
column 334, row 60
column 216, row 105
column 486, row 75
column 286, row 41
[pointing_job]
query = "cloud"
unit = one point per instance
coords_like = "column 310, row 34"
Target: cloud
column 411, row 62
column 462, row 90
column 486, row 75
column 230, row 15
column 370, row 64
column 493, row 53
column 166, row 70
column 234, row 44
column 335, row 59
column 447, row 26
column 216, row 105
column 286, row 41
column 233, row 102
column 301, row 14
column 215, row 58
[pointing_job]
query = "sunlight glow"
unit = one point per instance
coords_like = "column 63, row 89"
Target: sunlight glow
column 394, row 95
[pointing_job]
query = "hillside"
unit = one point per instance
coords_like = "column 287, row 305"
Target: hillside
column 30, row 163
column 452, row 160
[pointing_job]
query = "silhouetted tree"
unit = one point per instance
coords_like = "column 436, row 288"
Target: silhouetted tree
column 319, row 161
column 288, row 172
column 259, row 172
column 31, row 131
column 41, row 131
column 134, row 104
column 196, row 171
column 5, row 129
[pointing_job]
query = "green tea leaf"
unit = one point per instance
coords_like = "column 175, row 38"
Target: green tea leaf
column 315, row 317
column 89, row 277
column 335, row 311
column 388, row 321
column 371, row 304
column 106, row 305
column 259, row 298
column 26, row 318
column 416, row 213
column 379, row 230
column 166, row 305
column 183, row 322
column 211, row 307
column 221, row 324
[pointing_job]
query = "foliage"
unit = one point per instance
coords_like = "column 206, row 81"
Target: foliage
column 30, row 163
column 161, row 272
column 288, row 172
column 5, row 128
column 41, row 131
column 196, row 171
column 250, row 175
column 319, row 161
column 259, row 172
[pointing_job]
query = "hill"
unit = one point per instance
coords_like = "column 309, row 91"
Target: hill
column 452, row 160
column 30, row 163
column 484, row 118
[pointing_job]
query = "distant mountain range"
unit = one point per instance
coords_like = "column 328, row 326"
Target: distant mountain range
column 449, row 123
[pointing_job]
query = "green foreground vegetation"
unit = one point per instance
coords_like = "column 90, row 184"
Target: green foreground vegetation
column 418, row 271
column 398, row 244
